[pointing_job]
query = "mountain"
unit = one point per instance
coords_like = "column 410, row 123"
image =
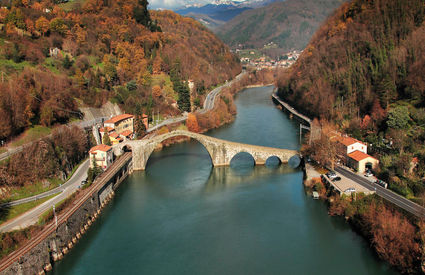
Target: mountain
column 217, row 13
column 367, row 51
column 288, row 24
column 364, row 71
column 54, row 60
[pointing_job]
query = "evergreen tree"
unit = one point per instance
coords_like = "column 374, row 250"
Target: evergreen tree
column 106, row 139
column 139, row 126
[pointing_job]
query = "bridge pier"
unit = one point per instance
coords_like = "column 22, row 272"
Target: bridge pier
column 220, row 151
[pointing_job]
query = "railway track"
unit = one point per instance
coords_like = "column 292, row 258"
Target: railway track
column 50, row 228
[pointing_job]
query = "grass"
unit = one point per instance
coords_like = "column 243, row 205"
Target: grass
column 38, row 188
column 52, row 64
column 68, row 6
column 32, row 190
column 164, row 81
column 2, row 150
column 17, row 210
column 30, row 135
column 9, row 66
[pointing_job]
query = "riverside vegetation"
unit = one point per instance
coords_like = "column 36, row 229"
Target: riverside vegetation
column 363, row 74
column 371, row 85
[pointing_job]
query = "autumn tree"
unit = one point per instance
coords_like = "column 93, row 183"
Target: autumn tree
column 156, row 91
column 192, row 123
column 42, row 25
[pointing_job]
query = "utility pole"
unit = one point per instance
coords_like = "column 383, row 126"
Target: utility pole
column 56, row 217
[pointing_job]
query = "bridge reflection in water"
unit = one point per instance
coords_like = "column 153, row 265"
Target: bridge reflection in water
column 223, row 177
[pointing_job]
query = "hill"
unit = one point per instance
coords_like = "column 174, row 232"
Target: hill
column 364, row 70
column 52, row 60
column 288, row 24
column 219, row 12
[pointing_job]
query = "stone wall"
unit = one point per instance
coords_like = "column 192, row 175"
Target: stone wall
column 42, row 257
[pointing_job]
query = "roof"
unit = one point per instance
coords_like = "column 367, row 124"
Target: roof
column 127, row 133
column 114, row 135
column 108, row 129
column 358, row 155
column 100, row 147
column 118, row 118
column 347, row 141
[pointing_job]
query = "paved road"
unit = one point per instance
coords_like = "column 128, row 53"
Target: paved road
column 31, row 216
column 208, row 104
column 390, row 196
column 82, row 124
column 291, row 109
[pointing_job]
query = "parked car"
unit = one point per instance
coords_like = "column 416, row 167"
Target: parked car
column 337, row 178
column 368, row 173
column 350, row 190
column 381, row 183
column 331, row 174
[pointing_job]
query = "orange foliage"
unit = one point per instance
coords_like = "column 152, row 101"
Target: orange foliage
column 156, row 91
column 192, row 123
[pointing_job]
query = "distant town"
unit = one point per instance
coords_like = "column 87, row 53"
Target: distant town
column 260, row 60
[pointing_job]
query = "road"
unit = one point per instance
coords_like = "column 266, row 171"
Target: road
column 82, row 124
column 208, row 104
column 31, row 216
column 390, row 196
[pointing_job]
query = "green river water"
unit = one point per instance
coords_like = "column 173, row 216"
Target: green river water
column 182, row 216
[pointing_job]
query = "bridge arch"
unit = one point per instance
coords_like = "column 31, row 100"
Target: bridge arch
column 157, row 140
column 241, row 156
column 273, row 161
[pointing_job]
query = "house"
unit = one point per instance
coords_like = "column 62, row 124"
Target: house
column 347, row 145
column 126, row 135
column 121, row 123
column 115, row 138
column 361, row 161
column 102, row 155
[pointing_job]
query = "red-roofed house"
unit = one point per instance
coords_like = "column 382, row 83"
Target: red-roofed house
column 361, row 161
column 127, row 134
column 348, row 145
column 101, row 154
column 115, row 138
column 121, row 123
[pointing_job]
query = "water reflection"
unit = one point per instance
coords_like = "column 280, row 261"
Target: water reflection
column 222, row 177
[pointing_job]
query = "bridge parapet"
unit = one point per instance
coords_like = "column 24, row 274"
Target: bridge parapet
column 220, row 151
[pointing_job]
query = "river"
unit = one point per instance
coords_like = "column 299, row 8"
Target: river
column 181, row 216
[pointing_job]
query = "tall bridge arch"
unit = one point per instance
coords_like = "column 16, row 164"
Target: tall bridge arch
column 220, row 151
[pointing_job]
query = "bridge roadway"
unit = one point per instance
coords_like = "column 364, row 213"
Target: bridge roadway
column 220, row 151
column 63, row 217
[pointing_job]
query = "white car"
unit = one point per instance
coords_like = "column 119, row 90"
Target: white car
column 350, row 190
column 368, row 173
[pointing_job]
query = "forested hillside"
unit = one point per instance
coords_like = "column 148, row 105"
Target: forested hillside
column 364, row 70
column 55, row 58
column 289, row 24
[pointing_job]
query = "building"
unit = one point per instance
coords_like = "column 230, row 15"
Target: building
column 101, row 154
column 121, row 123
column 361, row 162
column 347, row 145
column 115, row 138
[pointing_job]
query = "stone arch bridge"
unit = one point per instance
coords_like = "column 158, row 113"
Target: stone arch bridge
column 221, row 151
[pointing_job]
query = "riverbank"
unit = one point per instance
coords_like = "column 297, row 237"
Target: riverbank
column 394, row 236
column 42, row 245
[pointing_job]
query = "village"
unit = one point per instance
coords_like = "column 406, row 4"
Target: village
column 253, row 58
